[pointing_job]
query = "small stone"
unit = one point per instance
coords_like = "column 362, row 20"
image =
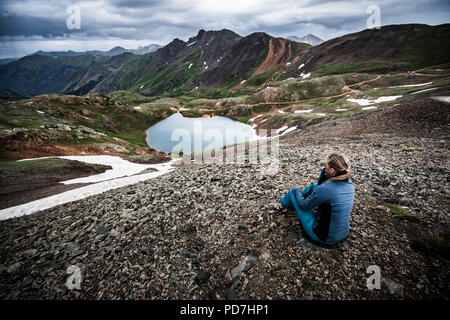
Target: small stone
column 394, row 287
column 202, row 276
column 14, row 268
column 291, row 237
column 103, row 229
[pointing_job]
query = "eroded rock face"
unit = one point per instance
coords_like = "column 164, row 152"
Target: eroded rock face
column 280, row 52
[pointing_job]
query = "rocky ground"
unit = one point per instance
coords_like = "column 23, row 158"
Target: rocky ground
column 208, row 231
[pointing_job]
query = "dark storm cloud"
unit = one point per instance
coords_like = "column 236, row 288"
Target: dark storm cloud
column 162, row 20
column 13, row 25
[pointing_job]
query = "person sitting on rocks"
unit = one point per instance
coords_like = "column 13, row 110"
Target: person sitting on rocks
column 333, row 195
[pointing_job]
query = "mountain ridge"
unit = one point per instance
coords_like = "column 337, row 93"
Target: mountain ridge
column 309, row 39
column 222, row 62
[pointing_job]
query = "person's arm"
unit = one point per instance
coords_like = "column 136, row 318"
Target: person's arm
column 314, row 199
column 322, row 176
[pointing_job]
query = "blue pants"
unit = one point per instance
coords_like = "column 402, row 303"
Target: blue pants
column 306, row 217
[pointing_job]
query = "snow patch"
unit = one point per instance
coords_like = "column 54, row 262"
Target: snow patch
column 92, row 189
column 281, row 129
column 190, row 65
column 304, row 76
column 40, row 111
column 301, row 66
column 369, row 108
column 190, row 44
column 303, row 111
column 243, row 81
column 366, row 102
column 424, row 90
column 253, row 119
column 289, row 130
column 412, row 85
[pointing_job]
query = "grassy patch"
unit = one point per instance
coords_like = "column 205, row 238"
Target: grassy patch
column 402, row 212
column 129, row 97
column 342, row 114
column 365, row 66
column 433, row 244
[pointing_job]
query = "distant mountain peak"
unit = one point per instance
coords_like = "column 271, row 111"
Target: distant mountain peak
column 309, row 38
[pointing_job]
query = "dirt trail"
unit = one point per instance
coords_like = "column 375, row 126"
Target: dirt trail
column 326, row 97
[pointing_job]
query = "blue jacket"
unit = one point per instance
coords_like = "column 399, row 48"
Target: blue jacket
column 334, row 202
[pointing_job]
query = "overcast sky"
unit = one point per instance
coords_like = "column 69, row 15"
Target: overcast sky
column 28, row 25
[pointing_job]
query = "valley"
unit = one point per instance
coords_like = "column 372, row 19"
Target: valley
column 171, row 230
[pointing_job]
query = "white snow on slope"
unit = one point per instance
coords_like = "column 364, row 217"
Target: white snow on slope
column 413, row 85
column 366, row 102
column 303, row 111
column 190, row 65
column 281, row 129
column 424, row 90
column 304, row 76
column 288, row 130
column 190, row 44
column 301, row 66
column 252, row 119
column 84, row 192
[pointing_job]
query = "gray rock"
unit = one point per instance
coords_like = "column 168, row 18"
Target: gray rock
column 245, row 265
column 202, row 276
column 291, row 237
column 14, row 268
column 394, row 287
column 114, row 233
column 103, row 229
